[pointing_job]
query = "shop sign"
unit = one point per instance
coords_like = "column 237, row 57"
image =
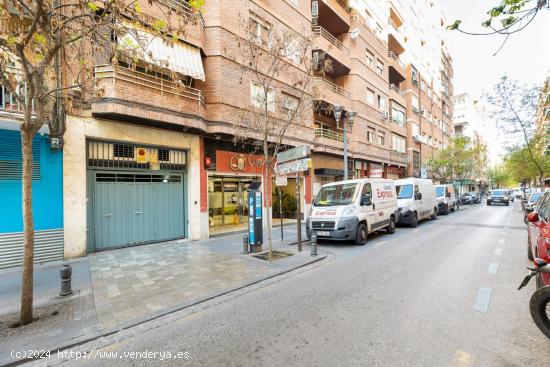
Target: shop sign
column 281, row 181
column 376, row 173
column 293, row 166
column 293, row 154
column 238, row 162
column 142, row 156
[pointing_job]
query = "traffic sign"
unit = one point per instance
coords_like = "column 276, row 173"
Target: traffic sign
column 293, row 166
column 303, row 151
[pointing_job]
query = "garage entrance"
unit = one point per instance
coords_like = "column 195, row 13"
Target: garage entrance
column 137, row 197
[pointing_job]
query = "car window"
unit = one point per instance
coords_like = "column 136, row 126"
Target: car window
column 416, row 190
column 366, row 190
column 544, row 208
column 439, row 191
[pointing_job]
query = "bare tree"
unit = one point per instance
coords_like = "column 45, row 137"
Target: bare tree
column 277, row 64
column 37, row 38
column 514, row 107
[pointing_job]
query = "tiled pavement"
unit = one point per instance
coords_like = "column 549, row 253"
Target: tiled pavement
column 133, row 282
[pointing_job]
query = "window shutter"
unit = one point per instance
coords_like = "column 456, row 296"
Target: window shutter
column 11, row 160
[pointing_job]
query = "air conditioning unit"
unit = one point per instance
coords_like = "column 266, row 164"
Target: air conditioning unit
column 384, row 115
column 314, row 9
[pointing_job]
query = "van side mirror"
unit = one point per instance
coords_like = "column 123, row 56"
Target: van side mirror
column 418, row 196
column 366, row 200
column 533, row 217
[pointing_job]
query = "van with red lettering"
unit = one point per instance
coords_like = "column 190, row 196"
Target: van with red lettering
column 350, row 210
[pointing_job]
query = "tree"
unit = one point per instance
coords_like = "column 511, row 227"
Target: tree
column 37, row 39
column 499, row 176
column 506, row 18
column 522, row 167
column 276, row 62
column 514, row 106
column 461, row 159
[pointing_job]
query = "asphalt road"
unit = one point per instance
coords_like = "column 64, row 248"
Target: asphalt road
column 405, row 299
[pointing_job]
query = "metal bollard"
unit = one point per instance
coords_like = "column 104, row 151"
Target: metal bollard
column 313, row 244
column 66, row 273
column 245, row 244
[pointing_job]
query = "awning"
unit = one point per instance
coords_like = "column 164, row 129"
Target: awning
column 328, row 172
column 176, row 56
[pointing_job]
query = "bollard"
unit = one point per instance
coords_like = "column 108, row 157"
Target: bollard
column 245, row 244
column 313, row 244
column 66, row 273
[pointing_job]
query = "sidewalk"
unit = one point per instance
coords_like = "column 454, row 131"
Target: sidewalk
column 121, row 288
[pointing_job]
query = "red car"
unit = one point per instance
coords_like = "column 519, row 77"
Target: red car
column 539, row 235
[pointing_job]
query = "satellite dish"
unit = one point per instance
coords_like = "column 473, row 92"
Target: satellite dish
column 355, row 33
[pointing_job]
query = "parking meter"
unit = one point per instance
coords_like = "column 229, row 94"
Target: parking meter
column 255, row 220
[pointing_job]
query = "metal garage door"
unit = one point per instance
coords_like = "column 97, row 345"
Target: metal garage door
column 135, row 207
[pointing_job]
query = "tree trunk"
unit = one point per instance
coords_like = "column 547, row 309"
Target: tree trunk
column 28, row 228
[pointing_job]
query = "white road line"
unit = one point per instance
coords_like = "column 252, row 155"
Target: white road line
column 498, row 251
column 415, row 230
column 502, row 241
column 493, row 268
column 483, row 298
column 379, row 243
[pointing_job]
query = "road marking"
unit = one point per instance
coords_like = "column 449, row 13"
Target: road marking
column 462, row 359
column 188, row 317
column 379, row 243
column 493, row 268
column 483, row 298
column 498, row 251
column 502, row 241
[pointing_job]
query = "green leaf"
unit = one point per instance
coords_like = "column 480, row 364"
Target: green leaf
column 92, row 6
column 486, row 24
column 507, row 22
column 454, row 25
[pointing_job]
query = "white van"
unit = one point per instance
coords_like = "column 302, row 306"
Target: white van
column 415, row 200
column 350, row 210
column 446, row 198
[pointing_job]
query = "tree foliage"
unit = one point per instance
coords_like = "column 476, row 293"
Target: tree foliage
column 499, row 176
column 523, row 168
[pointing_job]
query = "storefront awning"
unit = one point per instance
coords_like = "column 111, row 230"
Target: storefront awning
column 176, row 56
column 329, row 172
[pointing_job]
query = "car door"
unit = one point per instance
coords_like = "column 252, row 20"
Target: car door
column 420, row 202
column 368, row 210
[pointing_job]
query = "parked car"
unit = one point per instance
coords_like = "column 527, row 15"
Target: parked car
column 446, row 198
column 467, row 198
column 517, row 194
column 350, row 210
column 498, row 197
column 539, row 235
column 415, row 200
column 531, row 204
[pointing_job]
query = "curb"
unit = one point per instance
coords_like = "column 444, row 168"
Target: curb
column 153, row 316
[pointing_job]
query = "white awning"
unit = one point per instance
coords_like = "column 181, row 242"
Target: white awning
column 176, row 56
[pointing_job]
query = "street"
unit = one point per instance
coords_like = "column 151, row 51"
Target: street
column 402, row 300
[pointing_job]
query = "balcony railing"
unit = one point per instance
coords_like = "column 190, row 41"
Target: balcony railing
column 186, row 10
column 323, row 83
column 322, row 132
column 398, row 156
column 394, row 26
column 8, row 103
column 395, row 57
column 320, row 31
column 396, row 89
column 152, row 82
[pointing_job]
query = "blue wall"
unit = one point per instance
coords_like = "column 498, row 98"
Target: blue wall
column 47, row 190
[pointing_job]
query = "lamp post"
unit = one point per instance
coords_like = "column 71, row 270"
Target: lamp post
column 351, row 117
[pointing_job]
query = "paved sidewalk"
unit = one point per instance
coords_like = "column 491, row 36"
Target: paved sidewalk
column 120, row 288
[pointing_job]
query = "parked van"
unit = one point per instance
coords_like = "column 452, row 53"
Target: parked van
column 415, row 200
column 446, row 198
column 351, row 209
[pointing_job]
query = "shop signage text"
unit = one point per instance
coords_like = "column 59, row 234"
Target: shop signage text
column 293, row 166
column 300, row 152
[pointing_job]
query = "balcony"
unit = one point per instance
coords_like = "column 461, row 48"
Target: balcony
column 8, row 103
column 327, row 91
column 396, row 94
column 321, row 132
column 333, row 15
column 135, row 94
column 334, row 49
column 396, row 39
column 398, row 156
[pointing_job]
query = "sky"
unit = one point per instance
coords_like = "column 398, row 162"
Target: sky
column 525, row 56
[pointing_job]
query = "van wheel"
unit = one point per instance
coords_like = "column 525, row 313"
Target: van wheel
column 391, row 227
column 446, row 210
column 453, row 208
column 434, row 215
column 362, row 233
column 414, row 220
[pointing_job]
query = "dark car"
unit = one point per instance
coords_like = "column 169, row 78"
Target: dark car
column 498, row 197
column 469, row 198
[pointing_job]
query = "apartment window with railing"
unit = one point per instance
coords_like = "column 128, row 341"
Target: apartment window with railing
column 414, row 103
column 370, row 134
column 289, row 104
column 381, row 138
column 258, row 96
column 293, row 51
column 398, row 143
column 414, row 75
column 382, row 103
column 422, row 85
column 379, row 67
column 370, row 97
column 415, row 129
column 260, row 30
column 398, row 116
column 370, row 58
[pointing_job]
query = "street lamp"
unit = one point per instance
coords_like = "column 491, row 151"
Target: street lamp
column 351, row 117
column 337, row 110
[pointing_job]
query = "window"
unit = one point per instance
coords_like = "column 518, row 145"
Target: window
column 163, row 155
column 293, row 52
column 398, row 116
column 422, row 85
column 414, row 75
column 366, row 190
column 398, row 143
column 415, row 103
column 294, row 2
column 382, row 103
column 123, row 151
column 429, row 92
column 259, row 30
column 381, row 138
column 258, row 99
column 379, row 67
column 370, row 135
column 370, row 58
column 370, row 96
column 289, row 104
column 415, row 129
